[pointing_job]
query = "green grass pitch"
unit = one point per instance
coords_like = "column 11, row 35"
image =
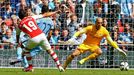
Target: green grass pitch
column 18, row 71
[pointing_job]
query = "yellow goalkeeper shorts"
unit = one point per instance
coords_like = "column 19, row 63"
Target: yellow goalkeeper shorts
column 82, row 47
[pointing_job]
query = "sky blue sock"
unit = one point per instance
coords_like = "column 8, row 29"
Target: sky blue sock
column 19, row 53
column 25, row 62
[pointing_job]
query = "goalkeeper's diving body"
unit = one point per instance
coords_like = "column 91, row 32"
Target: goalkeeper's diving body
column 95, row 33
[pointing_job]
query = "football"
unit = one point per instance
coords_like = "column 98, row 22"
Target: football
column 124, row 66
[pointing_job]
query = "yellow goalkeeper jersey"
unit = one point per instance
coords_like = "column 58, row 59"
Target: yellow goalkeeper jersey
column 95, row 36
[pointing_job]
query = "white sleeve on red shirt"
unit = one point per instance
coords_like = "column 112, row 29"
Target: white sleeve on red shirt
column 37, row 16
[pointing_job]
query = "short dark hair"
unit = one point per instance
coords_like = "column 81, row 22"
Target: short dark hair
column 22, row 13
column 44, row 9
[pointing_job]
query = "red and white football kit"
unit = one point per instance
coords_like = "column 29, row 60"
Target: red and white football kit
column 29, row 26
column 37, row 38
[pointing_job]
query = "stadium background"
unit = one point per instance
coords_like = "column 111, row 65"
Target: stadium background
column 117, row 15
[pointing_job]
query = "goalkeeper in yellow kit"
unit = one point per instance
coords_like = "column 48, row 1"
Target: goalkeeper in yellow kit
column 94, row 33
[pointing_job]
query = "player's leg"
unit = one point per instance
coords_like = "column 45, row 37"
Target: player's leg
column 97, row 52
column 30, row 45
column 25, row 62
column 19, row 53
column 19, row 56
column 33, row 53
column 55, row 58
column 71, row 57
column 27, row 56
column 46, row 46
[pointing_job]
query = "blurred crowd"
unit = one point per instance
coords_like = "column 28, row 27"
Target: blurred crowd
column 118, row 18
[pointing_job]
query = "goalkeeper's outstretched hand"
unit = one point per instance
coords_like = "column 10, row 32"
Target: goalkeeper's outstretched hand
column 123, row 53
column 71, row 41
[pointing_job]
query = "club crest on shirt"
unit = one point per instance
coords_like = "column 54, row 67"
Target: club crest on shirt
column 98, row 35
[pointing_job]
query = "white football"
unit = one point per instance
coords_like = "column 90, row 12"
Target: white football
column 124, row 66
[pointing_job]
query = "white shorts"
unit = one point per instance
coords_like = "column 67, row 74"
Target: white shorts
column 39, row 40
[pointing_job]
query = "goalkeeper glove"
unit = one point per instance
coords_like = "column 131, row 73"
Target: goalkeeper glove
column 72, row 39
column 123, row 53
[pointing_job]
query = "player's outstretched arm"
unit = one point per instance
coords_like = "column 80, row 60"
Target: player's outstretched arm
column 114, row 44
column 48, row 14
column 72, row 40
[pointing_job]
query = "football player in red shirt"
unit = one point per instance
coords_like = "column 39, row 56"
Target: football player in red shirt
column 37, row 38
